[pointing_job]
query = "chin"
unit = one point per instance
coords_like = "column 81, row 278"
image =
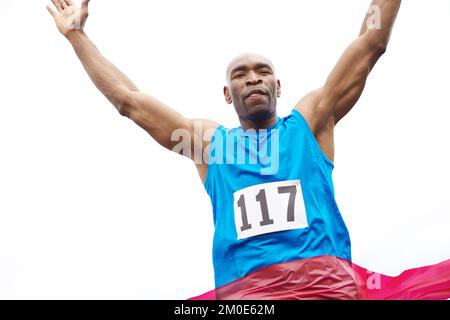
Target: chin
column 258, row 112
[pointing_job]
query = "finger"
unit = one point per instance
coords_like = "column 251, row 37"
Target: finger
column 69, row 2
column 52, row 12
column 57, row 5
column 63, row 4
column 85, row 5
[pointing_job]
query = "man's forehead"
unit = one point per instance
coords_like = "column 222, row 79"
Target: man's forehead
column 248, row 59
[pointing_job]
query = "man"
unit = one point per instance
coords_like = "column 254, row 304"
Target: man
column 268, row 209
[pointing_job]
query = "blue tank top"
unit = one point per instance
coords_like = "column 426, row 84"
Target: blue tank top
column 273, row 199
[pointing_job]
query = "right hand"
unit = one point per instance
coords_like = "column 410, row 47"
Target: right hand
column 69, row 17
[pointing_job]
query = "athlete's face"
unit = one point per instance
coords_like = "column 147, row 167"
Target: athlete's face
column 252, row 87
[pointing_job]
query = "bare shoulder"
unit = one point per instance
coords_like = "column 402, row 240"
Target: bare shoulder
column 309, row 107
column 313, row 107
column 203, row 130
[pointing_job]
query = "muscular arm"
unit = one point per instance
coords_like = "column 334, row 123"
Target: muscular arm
column 159, row 120
column 324, row 107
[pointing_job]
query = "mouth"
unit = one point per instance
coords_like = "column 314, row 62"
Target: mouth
column 255, row 94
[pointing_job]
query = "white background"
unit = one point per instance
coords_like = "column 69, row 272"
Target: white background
column 92, row 208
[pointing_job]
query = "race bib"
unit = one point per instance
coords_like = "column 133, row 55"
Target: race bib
column 269, row 207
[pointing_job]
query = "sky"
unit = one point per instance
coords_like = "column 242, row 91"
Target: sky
column 85, row 207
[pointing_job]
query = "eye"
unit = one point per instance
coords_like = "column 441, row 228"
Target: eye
column 265, row 71
column 238, row 75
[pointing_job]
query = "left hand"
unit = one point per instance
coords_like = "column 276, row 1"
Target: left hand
column 69, row 16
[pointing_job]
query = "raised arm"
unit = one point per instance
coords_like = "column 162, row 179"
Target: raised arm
column 324, row 107
column 156, row 118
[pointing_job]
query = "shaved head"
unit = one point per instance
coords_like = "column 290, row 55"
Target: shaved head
column 244, row 59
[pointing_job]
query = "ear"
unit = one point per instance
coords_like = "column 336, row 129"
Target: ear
column 278, row 88
column 226, row 93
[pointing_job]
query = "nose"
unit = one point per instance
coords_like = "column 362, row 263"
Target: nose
column 253, row 79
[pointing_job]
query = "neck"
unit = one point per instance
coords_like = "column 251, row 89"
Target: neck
column 260, row 124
